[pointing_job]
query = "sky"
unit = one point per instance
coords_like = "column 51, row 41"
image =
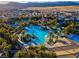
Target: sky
column 24, row 1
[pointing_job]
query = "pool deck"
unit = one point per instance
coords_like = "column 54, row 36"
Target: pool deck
column 63, row 50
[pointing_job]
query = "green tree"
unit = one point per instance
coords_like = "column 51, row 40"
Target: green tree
column 14, row 38
column 20, row 54
column 6, row 46
column 5, row 54
column 2, row 40
column 51, row 54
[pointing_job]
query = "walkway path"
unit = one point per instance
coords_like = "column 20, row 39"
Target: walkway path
column 66, row 50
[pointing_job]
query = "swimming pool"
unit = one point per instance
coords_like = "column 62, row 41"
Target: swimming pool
column 73, row 37
column 38, row 31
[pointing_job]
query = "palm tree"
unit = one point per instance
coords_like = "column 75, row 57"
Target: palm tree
column 41, row 47
column 5, row 54
column 20, row 54
column 6, row 46
column 2, row 40
column 51, row 54
column 51, row 35
column 14, row 39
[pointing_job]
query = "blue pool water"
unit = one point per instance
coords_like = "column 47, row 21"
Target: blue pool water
column 74, row 37
column 38, row 32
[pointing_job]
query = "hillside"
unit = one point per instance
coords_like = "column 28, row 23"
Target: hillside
column 16, row 5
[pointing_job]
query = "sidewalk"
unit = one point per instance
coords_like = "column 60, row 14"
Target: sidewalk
column 67, row 52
